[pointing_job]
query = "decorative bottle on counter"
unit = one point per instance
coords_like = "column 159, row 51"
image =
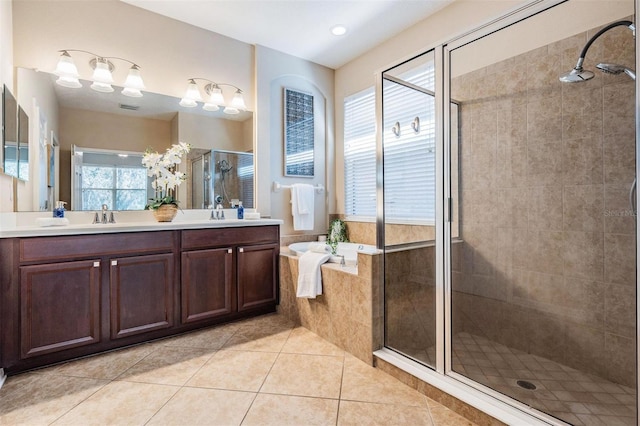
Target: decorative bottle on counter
column 58, row 211
column 240, row 211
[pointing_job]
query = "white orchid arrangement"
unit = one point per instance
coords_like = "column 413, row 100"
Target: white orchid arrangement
column 166, row 177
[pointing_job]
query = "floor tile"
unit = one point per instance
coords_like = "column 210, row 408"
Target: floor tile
column 364, row 383
column 105, row 366
column 249, row 338
column 305, row 375
column 193, row 406
column 120, row 403
column 282, row 410
column 167, row 366
column 210, row 338
column 41, row 399
column 235, row 370
column 367, row 413
column 303, row 341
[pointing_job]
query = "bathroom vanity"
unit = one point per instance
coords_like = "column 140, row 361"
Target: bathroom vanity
column 100, row 288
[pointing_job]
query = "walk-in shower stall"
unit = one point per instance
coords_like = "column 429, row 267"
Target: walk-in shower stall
column 507, row 213
column 221, row 177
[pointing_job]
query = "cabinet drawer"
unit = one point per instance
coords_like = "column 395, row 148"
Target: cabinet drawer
column 222, row 237
column 43, row 249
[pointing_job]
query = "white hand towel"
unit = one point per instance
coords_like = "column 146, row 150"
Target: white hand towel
column 302, row 197
column 310, row 275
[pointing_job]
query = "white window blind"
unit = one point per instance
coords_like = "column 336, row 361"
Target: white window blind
column 409, row 159
column 360, row 154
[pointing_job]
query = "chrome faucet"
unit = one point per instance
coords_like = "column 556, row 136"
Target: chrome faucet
column 217, row 213
column 106, row 217
column 104, row 214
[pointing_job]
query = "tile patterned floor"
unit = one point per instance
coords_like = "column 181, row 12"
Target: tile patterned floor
column 567, row 393
column 262, row 371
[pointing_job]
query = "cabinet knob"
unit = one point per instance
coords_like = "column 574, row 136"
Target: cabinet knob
column 230, row 251
column 96, row 264
column 114, row 263
column 241, row 249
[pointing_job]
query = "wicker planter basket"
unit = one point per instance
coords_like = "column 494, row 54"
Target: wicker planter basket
column 165, row 213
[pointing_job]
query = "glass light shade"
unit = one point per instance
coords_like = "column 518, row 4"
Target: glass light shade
column 216, row 95
column 66, row 67
column 134, row 80
column 102, row 87
column 188, row 103
column 238, row 101
column 193, row 93
column 231, row 110
column 133, row 93
column 69, row 81
column 210, row 107
column 102, row 73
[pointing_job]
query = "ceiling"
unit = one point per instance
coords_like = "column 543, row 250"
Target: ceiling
column 301, row 27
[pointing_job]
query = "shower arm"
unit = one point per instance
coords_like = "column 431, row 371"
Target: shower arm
column 586, row 47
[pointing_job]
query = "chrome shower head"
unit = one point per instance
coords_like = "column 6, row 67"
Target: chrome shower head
column 576, row 75
column 616, row 69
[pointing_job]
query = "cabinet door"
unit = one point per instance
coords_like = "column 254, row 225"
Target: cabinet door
column 141, row 294
column 257, row 276
column 207, row 284
column 59, row 306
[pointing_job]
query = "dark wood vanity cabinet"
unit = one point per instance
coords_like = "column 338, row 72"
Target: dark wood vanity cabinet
column 207, row 284
column 63, row 297
column 59, row 306
column 257, row 275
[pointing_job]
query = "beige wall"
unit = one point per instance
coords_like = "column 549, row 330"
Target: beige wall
column 208, row 133
column 94, row 130
column 274, row 72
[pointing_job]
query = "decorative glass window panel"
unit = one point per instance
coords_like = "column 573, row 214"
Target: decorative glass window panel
column 298, row 133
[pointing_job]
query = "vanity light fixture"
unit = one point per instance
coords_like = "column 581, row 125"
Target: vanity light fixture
column 215, row 98
column 102, row 77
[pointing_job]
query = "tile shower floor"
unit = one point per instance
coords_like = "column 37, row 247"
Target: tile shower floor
column 567, row 393
column 256, row 372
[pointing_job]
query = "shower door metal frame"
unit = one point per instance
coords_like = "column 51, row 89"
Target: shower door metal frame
column 494, row 403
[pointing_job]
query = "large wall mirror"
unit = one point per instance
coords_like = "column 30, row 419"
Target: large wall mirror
column 9, row 133
column 112, row 122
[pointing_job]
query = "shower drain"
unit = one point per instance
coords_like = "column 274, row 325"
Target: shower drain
column 526, row 385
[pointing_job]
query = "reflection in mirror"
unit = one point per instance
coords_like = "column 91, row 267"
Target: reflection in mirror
column 23, row 144
column 10, row 133
column 229, row 177
column 111, row 121
column 114, row 178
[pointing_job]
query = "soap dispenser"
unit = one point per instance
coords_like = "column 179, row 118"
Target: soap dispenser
column 240, row 211
column 58, row 211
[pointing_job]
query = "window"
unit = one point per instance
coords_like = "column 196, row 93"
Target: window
column 108, row 177
column 409, row 159
column 360, row 154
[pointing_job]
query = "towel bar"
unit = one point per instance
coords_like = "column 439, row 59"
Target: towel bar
column 277, row 186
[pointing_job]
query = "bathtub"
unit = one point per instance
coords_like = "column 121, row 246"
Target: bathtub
column 348, row 250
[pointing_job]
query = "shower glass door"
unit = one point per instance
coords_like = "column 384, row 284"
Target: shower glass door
column 543, row 274
column 409, row 160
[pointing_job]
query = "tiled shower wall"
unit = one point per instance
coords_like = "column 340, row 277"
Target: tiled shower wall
column 547, row 264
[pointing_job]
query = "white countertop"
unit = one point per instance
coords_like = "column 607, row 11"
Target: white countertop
column 14, row 225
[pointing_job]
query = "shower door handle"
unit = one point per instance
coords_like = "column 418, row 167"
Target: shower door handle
column 632, row 196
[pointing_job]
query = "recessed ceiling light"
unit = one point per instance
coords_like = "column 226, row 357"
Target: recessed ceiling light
column 338, row 30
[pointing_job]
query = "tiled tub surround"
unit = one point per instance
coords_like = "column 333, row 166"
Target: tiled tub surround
column 547, row 266
column 348, row 313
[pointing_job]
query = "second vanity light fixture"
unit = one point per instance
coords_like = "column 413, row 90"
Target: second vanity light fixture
column 102, row 78
column 216, row 99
